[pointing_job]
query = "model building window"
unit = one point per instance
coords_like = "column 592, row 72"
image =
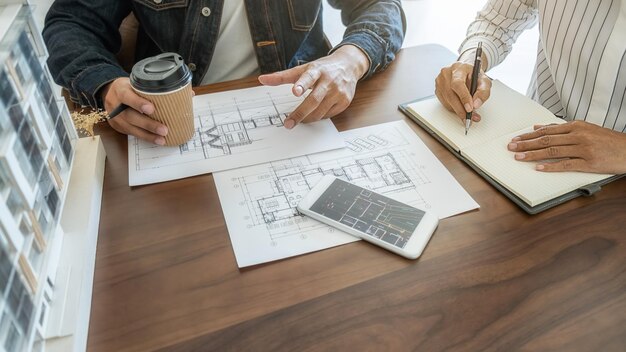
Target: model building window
column 16, row 116
column 20, row 304
column 35, row 258
column 25, row 228
column 19, row 70
column 6, row 268
column 43, row 214
column 22, row 158
column 13, row 338
column 4, row 123
column 15, row 204
column 7, row 95
column 4, row 187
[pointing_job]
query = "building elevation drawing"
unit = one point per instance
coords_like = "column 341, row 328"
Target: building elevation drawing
column 233, row 129
column 259, row 202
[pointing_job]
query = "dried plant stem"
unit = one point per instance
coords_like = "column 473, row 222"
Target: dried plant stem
column 85, row 120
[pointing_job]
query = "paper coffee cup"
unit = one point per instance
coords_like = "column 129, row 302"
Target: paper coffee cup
column 165, row 81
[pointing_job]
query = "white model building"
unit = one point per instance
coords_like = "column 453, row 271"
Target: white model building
column 46, row 270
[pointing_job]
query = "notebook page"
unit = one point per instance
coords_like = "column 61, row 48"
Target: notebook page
column 506, row 111
column 521, row 178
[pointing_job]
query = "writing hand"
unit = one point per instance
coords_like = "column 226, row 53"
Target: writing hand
column 333, row 81
column 133, row 120
column 578, row 146
column 452, row 87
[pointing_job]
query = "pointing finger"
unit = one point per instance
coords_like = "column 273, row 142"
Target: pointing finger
column 306, row 107
column 282, row 77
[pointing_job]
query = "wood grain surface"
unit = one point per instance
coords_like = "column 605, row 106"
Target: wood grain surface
column 495, row 279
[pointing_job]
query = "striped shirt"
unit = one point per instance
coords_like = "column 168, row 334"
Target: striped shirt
column 580, row 73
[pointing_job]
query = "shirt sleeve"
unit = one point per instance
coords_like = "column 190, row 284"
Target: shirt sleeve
column 375, row 27
column 498, row 25
column 82, row 38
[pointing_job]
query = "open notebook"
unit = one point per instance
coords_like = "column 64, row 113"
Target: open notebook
column 505, row 115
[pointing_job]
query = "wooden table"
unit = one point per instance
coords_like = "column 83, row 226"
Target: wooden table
column 492, row 279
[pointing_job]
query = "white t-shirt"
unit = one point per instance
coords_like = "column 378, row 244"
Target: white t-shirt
column 234, row 55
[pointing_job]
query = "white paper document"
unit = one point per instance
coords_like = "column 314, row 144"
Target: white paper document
column 233, row 129
column 259, row 202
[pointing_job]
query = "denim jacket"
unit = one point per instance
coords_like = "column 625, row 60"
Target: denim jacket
column 82, row 35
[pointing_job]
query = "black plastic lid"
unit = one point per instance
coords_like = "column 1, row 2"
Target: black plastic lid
column 160, row 74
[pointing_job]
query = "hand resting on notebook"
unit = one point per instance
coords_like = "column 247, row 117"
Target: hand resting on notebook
column 580, row 145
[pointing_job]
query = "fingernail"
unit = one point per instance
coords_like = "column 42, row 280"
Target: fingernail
column 299, row 90
column 512, row 146
column 159, row 141
column 477, row 103
column 540, row 167
column 520, row 156
column 162, row 130
column 289, row 124
column 468, row 107
column 517, row 139
column 475, row 118
column 147, row 109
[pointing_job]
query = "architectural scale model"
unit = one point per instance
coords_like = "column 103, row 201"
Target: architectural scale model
column 38, row 148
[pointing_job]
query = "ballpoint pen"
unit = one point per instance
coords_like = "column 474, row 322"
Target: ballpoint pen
column 477, row 63
column 118, row 110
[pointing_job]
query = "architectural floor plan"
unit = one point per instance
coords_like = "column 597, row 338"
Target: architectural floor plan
column 259, row 202
column 233, row 129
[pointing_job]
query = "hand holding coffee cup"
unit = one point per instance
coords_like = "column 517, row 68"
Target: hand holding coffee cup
column 165, row 81
column 135, row 119
column 160, row 87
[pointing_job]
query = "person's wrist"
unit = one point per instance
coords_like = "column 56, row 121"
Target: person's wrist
column 356, row 58
column 104, row 91
column 469, row 56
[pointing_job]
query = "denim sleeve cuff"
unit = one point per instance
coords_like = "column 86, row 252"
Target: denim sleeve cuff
column 86, row 85
column 372, row 45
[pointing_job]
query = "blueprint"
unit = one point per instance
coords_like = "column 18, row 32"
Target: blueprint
column 259, row 202
column 233, row 129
